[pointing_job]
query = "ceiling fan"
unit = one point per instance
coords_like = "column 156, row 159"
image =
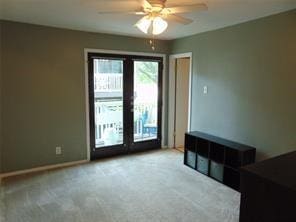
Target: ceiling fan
column 155, row 13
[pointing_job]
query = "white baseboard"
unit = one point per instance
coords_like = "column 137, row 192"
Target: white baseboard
column 47, row 167
column 42, row 168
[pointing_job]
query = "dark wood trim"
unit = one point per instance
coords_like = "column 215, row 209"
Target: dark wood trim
column 128, row 145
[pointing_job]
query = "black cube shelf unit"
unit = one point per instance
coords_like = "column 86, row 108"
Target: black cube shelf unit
column 218, row 158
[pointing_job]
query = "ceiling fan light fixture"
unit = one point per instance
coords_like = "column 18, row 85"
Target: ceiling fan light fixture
column 143, row 24
column 159, row 25
column 155, row 13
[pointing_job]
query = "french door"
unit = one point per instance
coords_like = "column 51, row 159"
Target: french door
column 125, row 99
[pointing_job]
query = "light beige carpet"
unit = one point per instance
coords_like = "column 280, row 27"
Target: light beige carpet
column 151, row 186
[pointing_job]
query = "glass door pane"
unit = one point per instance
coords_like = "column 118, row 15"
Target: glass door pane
column 108, row 102
column 145, row 102
column 125, row 103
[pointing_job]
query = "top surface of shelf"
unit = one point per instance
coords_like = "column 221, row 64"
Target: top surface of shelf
column 280, row 169
column 221, row 141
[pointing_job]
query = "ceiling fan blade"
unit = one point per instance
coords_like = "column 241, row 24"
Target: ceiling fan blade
column 145, row 4
column 123, row 11
column 178, row 19
column 109, row 7
column 187, row 8
column 113, row 4
column 173, row 3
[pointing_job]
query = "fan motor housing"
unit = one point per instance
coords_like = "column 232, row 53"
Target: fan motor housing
column 157, row 4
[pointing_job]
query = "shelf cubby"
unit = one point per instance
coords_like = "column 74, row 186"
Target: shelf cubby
column 202, row 147
column 217, row 152
column 190, row 143
column 216, row 170
column 218, row 158
column 232, row 157
column 190, row 159
column 202, row 164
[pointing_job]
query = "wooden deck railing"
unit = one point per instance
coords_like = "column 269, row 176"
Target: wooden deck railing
column 108, row 82
column 109, row 115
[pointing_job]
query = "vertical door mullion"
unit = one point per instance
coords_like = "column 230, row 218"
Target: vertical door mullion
column 91, row 104
column 159, row 111
column 132, row 105
column 126, row 103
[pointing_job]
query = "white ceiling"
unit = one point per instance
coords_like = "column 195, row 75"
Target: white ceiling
column 73, row 14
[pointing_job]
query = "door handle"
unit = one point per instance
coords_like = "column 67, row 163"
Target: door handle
column 132, row 110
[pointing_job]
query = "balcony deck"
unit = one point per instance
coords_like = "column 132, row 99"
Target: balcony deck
column 109, row 112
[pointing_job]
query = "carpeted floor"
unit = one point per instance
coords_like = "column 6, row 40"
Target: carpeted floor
column 152, row 186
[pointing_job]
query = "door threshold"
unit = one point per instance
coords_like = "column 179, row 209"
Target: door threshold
column 181, row 149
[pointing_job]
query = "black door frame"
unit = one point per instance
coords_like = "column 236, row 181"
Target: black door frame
column 128, row 146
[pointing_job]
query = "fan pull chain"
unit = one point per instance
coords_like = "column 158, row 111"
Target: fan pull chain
column 151, row 42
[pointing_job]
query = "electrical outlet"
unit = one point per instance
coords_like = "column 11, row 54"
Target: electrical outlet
column 205, row 89
column 58, row 150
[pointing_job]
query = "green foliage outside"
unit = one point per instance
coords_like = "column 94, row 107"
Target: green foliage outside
column 147, row 72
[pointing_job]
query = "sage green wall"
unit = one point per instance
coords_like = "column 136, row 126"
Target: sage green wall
column 250, row 71
column 43, row 91
column 0, row 99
